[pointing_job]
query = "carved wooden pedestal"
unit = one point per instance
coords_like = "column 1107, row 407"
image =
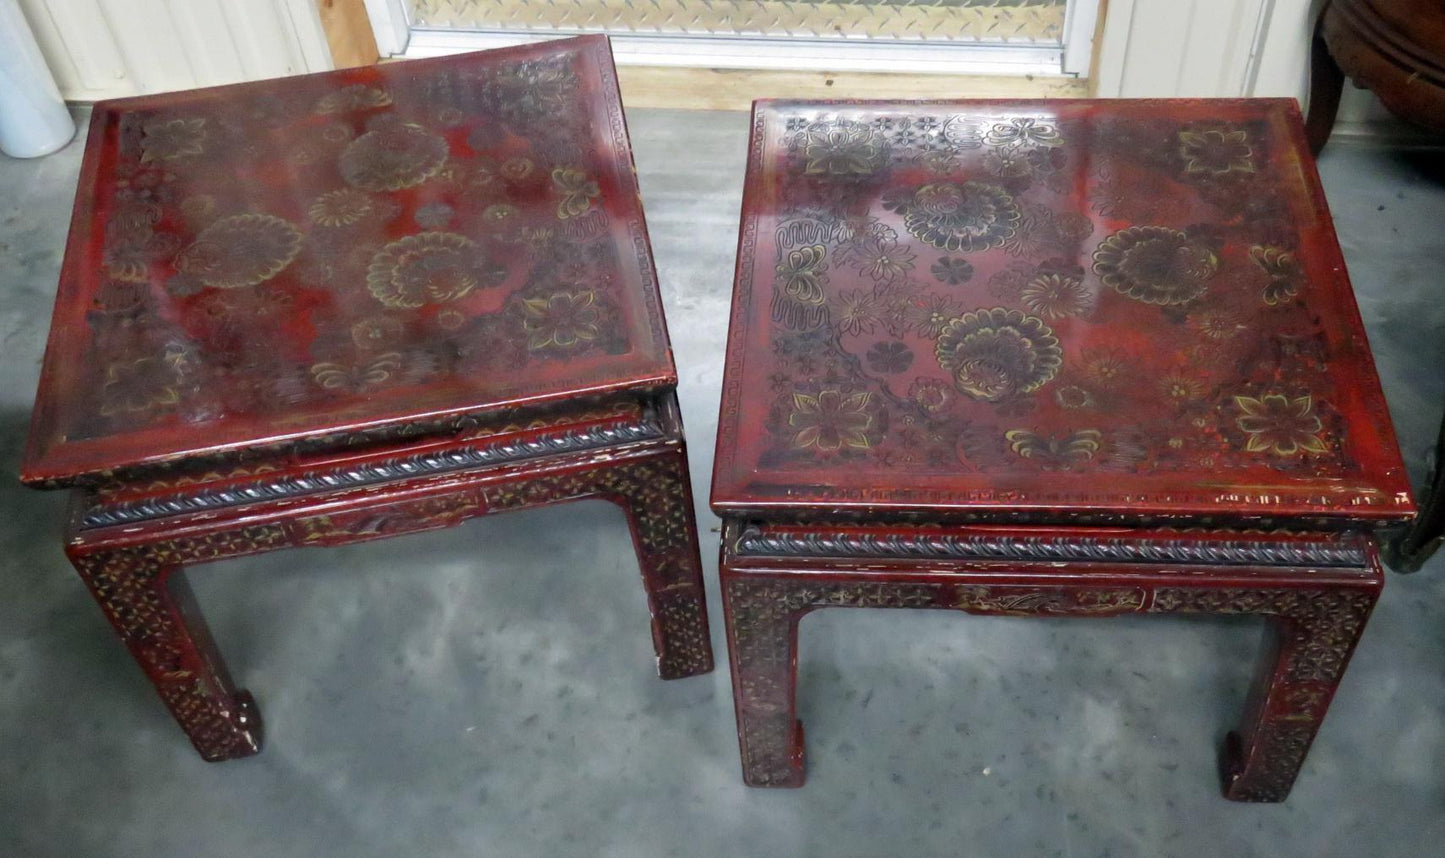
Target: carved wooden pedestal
column 1315, row 591
column 340, row 307
column 1067, row 358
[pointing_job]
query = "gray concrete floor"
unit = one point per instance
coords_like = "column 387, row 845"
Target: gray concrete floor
column 489, row 690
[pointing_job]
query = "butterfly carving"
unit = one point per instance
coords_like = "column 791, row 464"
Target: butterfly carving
column 1055, row 453
column 798, row 297
column 356, row 377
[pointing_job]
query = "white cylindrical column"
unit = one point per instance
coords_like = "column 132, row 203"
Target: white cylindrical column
column 33, row 118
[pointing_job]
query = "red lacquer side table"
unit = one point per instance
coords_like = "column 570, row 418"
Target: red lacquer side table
column 1048, row 358
column 346, row 306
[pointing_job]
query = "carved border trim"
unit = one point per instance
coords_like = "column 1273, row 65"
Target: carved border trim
column 431, row 463
column 754, row 542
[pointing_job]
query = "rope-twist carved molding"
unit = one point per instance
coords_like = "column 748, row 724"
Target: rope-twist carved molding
column 1334, row 553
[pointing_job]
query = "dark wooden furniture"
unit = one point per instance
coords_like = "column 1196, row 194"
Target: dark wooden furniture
column 1048, row 358
column 347, row 306
column 1394, row 48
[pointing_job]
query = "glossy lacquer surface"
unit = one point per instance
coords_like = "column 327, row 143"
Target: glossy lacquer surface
column 377, row 249
column 1043, row 308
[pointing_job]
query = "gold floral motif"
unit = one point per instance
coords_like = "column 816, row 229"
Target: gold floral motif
column 857, row 312
column 930, row 314
column 394, row 156
column 577, row 190
column 1181, row 386
column 1216, row 151
column 172, row 139
column 803, row 273
column 1155, row 265
column 831, row 421
column 563, row 319
column 843, row 148
column 1057, row 296
column 1074, row 397
column 341, row 208
column 355, row 97
column 1107, row 368
column 994, row 354
column 884, row 259
column 962, row 218
column 241, row 250
column 1279, row 424
column 140, row 385
column 358, row 377
column 1055, row 452
column 131, row 242
column 427, row 268
column 1221, row 323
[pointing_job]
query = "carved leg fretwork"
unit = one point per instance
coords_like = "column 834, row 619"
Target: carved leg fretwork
column 763, row 651
column 1312, row 631
column 1308, row 642
column 151, row 607
column 654, row 492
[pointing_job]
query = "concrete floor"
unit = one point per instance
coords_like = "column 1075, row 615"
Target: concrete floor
column 489, row 690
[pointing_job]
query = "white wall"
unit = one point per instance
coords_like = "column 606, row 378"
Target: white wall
column 108, row 48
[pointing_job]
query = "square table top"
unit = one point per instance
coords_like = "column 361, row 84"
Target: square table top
column 1046, row 311
column 384, row 250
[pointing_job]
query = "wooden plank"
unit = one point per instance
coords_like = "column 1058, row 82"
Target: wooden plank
column 348, row 32
column 735, row 89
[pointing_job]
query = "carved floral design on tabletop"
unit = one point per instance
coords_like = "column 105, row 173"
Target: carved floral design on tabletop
column 1216, row 151
column 428, row 268
column 242, row 250
column 982, row 293
column 325, row 240
column 562, row 320
column 830, row 420
column 1279, row 424
column 172, row 139
column 843, row 148
column 994, row 354
column 1156, row 265
column 1057, row 296
column 964, row 218
column 342, row 208
column 352, row 98
column 391, row 156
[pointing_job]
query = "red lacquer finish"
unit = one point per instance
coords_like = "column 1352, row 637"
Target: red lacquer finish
column 279, row 263
column 348, row 306
column 1048, row 358
column 1051, row 308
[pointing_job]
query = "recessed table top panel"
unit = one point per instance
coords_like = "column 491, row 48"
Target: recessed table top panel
column 1044, row 311
column 375, row 250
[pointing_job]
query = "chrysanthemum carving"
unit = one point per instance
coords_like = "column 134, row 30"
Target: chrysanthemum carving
column 1155, row 264
column 962, row 218
column 998, row 353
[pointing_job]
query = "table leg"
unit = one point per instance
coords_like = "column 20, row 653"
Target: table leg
column 762, row 628
column 656, row 495
column 150, row 605
column 1327, row 83
column 1409, row 551
column 1305, row 653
